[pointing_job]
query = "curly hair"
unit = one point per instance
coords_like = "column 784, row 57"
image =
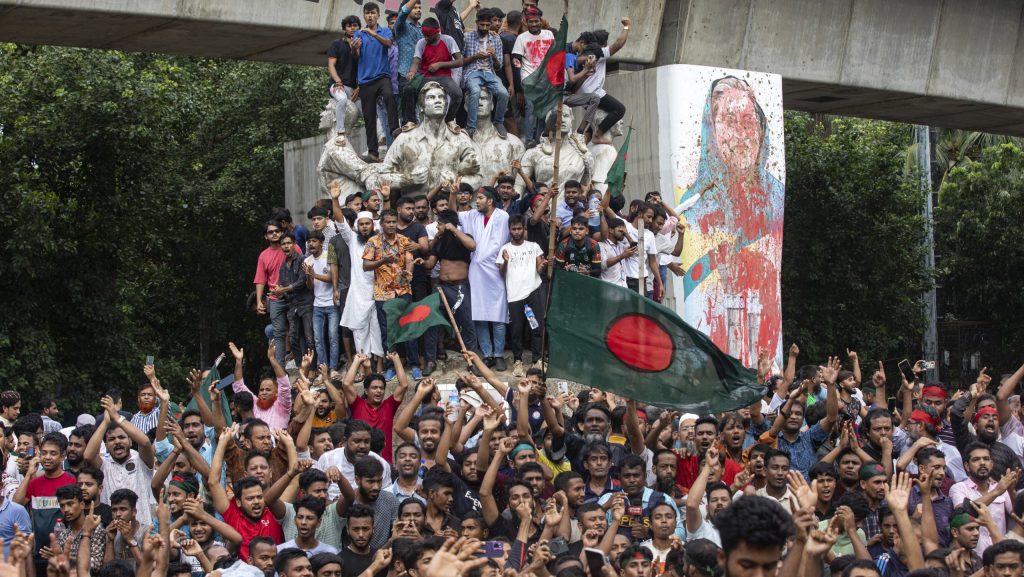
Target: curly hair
column 759, row 522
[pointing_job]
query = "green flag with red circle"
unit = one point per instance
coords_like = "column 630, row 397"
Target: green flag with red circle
column 409, row 320
column 544, row 87
column 609, row 337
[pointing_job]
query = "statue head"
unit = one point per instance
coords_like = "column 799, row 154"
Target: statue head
column 566, row 121
column 617, row 129
column 433, row 101
column 486, row 104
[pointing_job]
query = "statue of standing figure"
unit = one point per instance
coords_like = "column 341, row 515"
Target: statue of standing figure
column 604, row 154
column 575, row 161
column 496, row 152
column 343, row 162
column 431, row 152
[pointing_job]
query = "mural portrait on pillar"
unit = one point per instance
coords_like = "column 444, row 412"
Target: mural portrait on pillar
column 728, row 177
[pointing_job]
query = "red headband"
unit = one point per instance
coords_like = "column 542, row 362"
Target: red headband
column 980, row 412
column 934, row 391
column 923, row 417
column 430, row 31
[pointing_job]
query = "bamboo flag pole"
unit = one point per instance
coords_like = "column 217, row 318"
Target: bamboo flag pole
column 451, row 318
column 553, row 227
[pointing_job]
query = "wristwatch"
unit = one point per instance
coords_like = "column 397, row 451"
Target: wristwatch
column 132, row 544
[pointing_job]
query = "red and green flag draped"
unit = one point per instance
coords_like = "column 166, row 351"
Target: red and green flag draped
column 617, row 173
column 544, row 87
column 408, row 320
column 204, row 391
column 614, row 339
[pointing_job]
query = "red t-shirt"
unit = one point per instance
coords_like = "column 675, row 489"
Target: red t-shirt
column 688, row 469
column 44, row 487
column 268, row 267
column 436, row 53
column 383, row 418
column 267, row 526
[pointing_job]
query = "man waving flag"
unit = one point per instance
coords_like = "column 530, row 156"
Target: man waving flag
column 544, row 87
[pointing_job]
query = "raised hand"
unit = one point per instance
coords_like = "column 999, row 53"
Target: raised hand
column 456, row 558
column 878, row 379
column 107, row 404
column 794, row 351
column 898, row 494
column 506, row 445
column 552, row 515
column 195, row 380
column 307, row 360
column 806, row 495
column 830, row 371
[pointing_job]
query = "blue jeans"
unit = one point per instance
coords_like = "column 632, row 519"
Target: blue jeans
column 476, row 80
column 492, row 341
column 323, row 354
column 278, row 311
column 412, row 356
column 532, row 126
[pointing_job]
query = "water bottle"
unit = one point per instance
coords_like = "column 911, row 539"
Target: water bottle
column 453, row 398
column 530, row 317
column 594, row 204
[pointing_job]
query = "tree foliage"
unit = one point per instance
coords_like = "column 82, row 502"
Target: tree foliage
column 852, row 268
column 980, row 217
column 134, row 187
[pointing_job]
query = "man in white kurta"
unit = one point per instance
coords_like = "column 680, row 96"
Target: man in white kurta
column 489, row 228
column 360, row 314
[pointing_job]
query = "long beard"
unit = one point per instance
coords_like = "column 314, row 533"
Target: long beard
column 667, row 486
column 266, row 404
column 146, row 407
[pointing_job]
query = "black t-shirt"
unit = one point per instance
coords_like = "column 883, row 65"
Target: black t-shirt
column 345, row 65
column 414, row 232
column 508, row 42
column 343, row 260
column 508, row 527
column 449, row 247
column 465, row 498
column 353, row 564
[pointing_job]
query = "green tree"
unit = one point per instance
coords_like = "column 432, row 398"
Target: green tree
column 979, row 218
column 134, row 187
column 852, row 272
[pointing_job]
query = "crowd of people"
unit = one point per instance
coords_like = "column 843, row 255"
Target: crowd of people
column 315, row 473
column 382, row 65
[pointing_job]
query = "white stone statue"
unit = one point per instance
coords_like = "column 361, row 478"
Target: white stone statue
column 496, row 153
column 433, row 151
column 575, row 161
column 344, row 163
column 604, row 155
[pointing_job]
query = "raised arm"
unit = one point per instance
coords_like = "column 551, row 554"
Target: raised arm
column 694, row 518
column 789, row 374
column 855, row 364
column 214, row 487
column 423, row 390
column 278, row 369
column 194, row 508
column 487, row 502
column 632, row 426
column 403, row 377
column 91, row 455
column 523, row 430
column 829, row 374
column 897, row 498
column 623, row 36
column 492, row 419
column 1006, row 390
column 488, row 375
column 348, row 386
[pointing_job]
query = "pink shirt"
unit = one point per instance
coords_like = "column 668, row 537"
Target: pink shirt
column 998, row 509
column 278, row 414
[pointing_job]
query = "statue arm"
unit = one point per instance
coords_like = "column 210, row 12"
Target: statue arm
column 469, row 166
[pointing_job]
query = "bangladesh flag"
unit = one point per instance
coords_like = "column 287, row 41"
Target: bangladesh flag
column 544, row 87
column 617, row 173
column 407, row 320
column 614, row 339
column 204, row 390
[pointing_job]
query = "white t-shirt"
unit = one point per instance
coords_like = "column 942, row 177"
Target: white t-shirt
column 650, row 247
column 595, row 83
column 337, row 458
column 521, row 277
column 533, row 48
column 132, row 474
column 323, row 292
column 659, row 554
column 616, row 273
column 431, row 233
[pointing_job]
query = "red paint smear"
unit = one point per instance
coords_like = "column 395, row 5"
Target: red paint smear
column 640, row 342
column 419, row 313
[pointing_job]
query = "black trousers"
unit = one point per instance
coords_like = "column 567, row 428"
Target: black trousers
column 615, row 111
column 368, row 95
column 518, row 327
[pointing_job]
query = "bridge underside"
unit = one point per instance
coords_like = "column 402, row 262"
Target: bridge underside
column 955, row 64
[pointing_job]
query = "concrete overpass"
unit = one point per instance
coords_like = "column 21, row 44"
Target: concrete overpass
column 951, row 63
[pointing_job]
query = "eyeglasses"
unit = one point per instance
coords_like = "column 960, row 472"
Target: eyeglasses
column 275, row 231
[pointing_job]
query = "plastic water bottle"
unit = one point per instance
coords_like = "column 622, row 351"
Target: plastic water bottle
column 453, row 398
column 530, row 317
column 594, row 204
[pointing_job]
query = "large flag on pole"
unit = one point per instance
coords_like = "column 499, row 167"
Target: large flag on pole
column 407, row 320
column 544, row 87
column 617, row 173
column 612, row 338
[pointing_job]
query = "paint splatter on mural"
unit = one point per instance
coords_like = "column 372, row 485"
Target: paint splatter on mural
column 728, row 177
